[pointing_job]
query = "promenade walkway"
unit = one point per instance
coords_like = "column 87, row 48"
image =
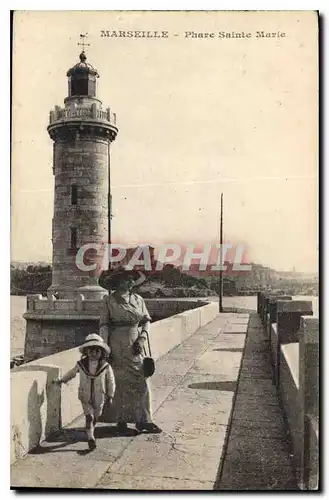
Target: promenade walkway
column 222, row 428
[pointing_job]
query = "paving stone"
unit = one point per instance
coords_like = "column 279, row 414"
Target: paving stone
column 109, row 444
column 150, row 483
column 169, row 374
column 191, row 427
column 191, row 418
column 159, row 395
column 167, row 379
column 166, row 365
column 224, row 364
column 208, row 332
column 235, row 319
column 213, row 441
column 164, row 459
column 195, row 392
column 235, row 328
column 238, row 314
column 220, row 320
column 207, row 382
column 57, row 470
column 229, row 340
column 223, row 376
column 187, row 404
column 186, row 352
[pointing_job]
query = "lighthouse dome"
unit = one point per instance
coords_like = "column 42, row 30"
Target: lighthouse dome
column 82, row 78
column 82, row 67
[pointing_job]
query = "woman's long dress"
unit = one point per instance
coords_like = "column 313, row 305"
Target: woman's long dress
column 119, row 327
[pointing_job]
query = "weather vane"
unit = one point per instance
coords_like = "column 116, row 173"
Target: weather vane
column 83, row 43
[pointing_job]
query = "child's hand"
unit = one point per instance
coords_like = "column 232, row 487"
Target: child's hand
column 110, row 400
column 57, row 381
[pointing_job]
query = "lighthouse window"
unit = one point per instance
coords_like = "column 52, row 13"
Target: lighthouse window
column 79, row 85
column 74, row 194
column 73, row 237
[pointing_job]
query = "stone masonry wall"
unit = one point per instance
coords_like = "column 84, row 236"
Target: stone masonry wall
column 85, row 163
column 56, row 325
column 47, row 337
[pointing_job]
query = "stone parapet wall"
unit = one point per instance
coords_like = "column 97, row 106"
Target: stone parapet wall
column 92, row 111
column 36, row 304
column 290, row 398
column 56, row 325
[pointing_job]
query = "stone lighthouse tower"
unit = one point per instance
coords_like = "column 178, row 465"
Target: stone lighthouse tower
column 82, row 133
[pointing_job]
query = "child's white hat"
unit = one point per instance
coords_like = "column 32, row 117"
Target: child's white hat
column 94, row 340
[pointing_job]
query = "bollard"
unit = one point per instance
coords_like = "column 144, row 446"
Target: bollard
column 309, row 401
column 288, row 323
column 272, row 309
column 263, row 309
column 79, row 302
column 267, row 298
column 259, row 295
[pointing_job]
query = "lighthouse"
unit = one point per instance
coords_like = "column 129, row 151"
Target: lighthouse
column 82, row 132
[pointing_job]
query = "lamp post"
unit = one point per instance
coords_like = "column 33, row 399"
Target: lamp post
column 221, row 256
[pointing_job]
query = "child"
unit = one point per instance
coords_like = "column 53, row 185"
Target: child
column 96, row 381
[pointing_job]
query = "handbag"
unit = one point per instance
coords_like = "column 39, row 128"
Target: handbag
column 148, row 361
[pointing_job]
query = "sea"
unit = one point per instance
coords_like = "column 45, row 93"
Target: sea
column 18, row 308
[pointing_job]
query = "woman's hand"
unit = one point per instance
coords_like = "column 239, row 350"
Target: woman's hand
column 57, row 381
column 137, row 347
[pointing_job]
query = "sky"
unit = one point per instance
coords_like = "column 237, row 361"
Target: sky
column 196, row 117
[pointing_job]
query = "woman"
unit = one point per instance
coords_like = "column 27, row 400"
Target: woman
column 124, row 324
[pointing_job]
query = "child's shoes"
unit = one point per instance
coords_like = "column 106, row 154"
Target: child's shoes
column 91, row 444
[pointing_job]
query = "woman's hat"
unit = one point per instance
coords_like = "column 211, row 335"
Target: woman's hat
column 94, row 340
column 110, row 278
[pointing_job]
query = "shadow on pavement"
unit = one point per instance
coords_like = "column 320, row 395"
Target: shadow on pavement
column 66, row 437
column 215, row 386
column 230, row 349
column 238, row 310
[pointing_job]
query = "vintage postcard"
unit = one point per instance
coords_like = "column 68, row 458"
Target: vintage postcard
column 164, row 255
